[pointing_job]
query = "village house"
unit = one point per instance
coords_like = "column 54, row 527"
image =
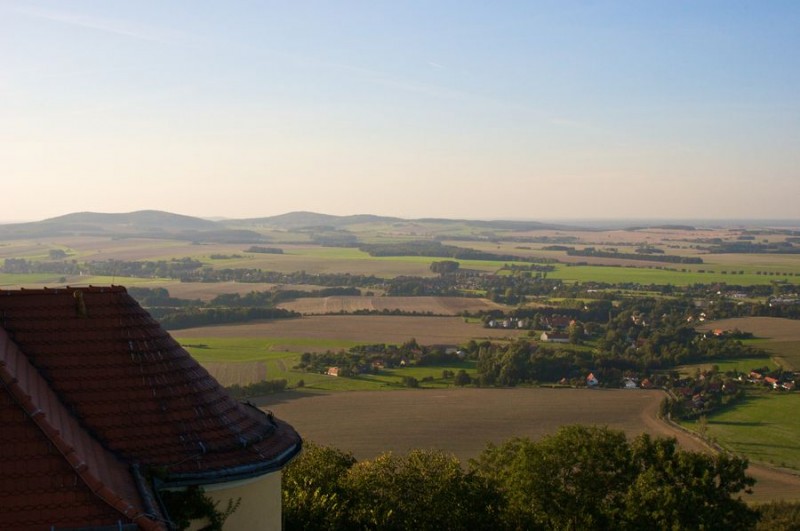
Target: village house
column 554, row 337
column 102, row 413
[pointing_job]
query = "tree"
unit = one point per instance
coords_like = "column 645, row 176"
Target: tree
column 462, row 378
column 445, row 266
column 424, row 490
column 593, row 478
column 312, row 493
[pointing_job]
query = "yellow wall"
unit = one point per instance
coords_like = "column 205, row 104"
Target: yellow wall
column 260, row 508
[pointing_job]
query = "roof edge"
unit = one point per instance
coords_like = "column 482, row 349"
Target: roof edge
column 236, row 473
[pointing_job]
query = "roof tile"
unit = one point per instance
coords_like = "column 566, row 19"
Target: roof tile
column 104, row 369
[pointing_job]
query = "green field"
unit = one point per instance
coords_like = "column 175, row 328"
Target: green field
column 744, row 365
column 765, row 427
column 641, row 275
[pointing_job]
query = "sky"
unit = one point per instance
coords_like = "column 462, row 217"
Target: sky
column 535, row 110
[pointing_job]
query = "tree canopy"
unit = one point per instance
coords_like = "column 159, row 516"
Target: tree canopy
column 578, row 478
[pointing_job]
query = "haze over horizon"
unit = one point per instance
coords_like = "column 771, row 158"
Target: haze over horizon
column 520, row 110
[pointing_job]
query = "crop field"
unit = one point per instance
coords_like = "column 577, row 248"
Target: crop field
column 434, row 305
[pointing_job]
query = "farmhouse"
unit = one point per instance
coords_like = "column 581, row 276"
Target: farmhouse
column 102, row 413
column 554, row 337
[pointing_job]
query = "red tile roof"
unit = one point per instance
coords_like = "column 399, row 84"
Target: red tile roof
column 117, row 390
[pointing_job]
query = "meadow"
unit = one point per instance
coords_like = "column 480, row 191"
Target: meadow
column 764, row 427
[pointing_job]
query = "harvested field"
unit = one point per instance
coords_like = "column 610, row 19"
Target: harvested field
column 434, row 305
column 360, row 328
column 463, row 421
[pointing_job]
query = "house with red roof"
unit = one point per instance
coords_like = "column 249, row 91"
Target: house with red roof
column 102, row 412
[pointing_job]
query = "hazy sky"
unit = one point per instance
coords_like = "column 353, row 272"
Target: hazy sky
column 537, row 110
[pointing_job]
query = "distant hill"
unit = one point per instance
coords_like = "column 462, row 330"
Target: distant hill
column 141, row 224
column 302, row 220
column 165, row 225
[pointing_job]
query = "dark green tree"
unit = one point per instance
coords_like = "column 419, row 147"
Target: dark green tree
column 312, row 494
column 424, row 490
column 593, row 478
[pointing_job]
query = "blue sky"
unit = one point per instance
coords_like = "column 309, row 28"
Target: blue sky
column 536, row 110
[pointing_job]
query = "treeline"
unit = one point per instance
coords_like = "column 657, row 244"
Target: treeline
column 194, row 317
column 591, row 251
column 436, row 249
column 578, row 478
column 271, row 298
column 363, row 359
column 264, row 387
column 175, row 268
column 785, row 247
column 264, row 250
column 186, row 270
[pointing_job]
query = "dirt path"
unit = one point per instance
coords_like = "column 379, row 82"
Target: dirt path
column 772, row 483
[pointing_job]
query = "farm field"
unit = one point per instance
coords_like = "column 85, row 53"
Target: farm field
column 765, row 427
column 463, row 421
column 434, row 305
column 779, row 336
column 460, row 421
column 240, row 354
column 363, row 329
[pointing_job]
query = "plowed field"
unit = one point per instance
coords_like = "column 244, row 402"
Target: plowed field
column 349, row 304
column 463, row 421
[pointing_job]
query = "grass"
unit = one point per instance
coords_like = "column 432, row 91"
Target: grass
column 241, row 349
column 765, row 427
column 737, row 364
column 10, row 279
